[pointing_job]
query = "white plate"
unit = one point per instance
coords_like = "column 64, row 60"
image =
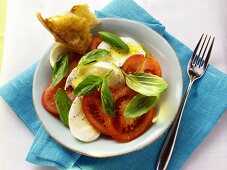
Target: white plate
column 168, row 105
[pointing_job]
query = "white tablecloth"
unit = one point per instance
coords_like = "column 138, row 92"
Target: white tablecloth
column 26, row 41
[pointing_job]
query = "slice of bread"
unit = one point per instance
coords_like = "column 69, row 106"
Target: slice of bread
column 72, row 28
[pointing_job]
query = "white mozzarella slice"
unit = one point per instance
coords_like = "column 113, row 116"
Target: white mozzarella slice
column 115, row 79
column 79, row 126
column 70, row 78
column 116, row 56
column 56, row 52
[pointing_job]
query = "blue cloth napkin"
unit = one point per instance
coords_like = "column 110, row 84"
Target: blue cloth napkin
column 207, row 103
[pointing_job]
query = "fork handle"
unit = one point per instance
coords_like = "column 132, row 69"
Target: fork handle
column 169, row 143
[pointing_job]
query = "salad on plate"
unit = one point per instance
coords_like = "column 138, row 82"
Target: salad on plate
column 101, row 84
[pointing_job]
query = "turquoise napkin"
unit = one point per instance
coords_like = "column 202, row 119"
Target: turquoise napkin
column 207, row 103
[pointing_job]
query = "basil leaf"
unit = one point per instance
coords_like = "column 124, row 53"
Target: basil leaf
column 146, row 84
column 107, row 99
column 94, row 55
column 60, row 69
column 114, row 40
column 139, row 105
column 90, row 84
column 63, row 104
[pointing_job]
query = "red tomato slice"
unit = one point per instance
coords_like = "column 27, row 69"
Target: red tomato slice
column 95, row 42
column 48, row 100
column 132, row 63
column 151, row 65
column 138, row 63
column 92, row 107
column 124, row 129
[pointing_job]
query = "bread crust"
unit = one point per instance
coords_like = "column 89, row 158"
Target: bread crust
column 72, row 28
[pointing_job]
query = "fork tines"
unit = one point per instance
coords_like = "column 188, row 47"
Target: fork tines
column 201, row 55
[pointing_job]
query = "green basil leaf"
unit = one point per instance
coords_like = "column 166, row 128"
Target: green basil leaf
column 139, row 105
column 90, row 84
column 94, row 55
column 61, row 68
column 114, row 40
column 107, row 99
column 146, row 84
column 63, row 104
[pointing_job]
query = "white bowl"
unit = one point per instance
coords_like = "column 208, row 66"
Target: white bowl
column 168, row 105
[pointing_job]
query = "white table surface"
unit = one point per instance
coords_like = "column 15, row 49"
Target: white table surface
column 26, row 41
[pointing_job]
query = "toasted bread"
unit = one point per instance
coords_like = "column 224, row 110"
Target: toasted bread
column 73, row 28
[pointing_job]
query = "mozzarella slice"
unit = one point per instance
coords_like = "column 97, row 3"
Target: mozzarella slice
column 79, row 126
column 70, row 78
column 116, row 56
column 57, row 51
column 115, row 79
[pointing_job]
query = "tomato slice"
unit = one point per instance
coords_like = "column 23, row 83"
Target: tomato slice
column 138, row 63
column 151, row 65
column 132, row 63
column 124, row 129
column 95, row 42
column 48, row 100
column 92, row 107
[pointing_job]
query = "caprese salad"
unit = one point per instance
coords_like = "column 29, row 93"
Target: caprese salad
column 112, row 90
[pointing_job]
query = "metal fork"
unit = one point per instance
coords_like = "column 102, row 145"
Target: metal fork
column 197, row 66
